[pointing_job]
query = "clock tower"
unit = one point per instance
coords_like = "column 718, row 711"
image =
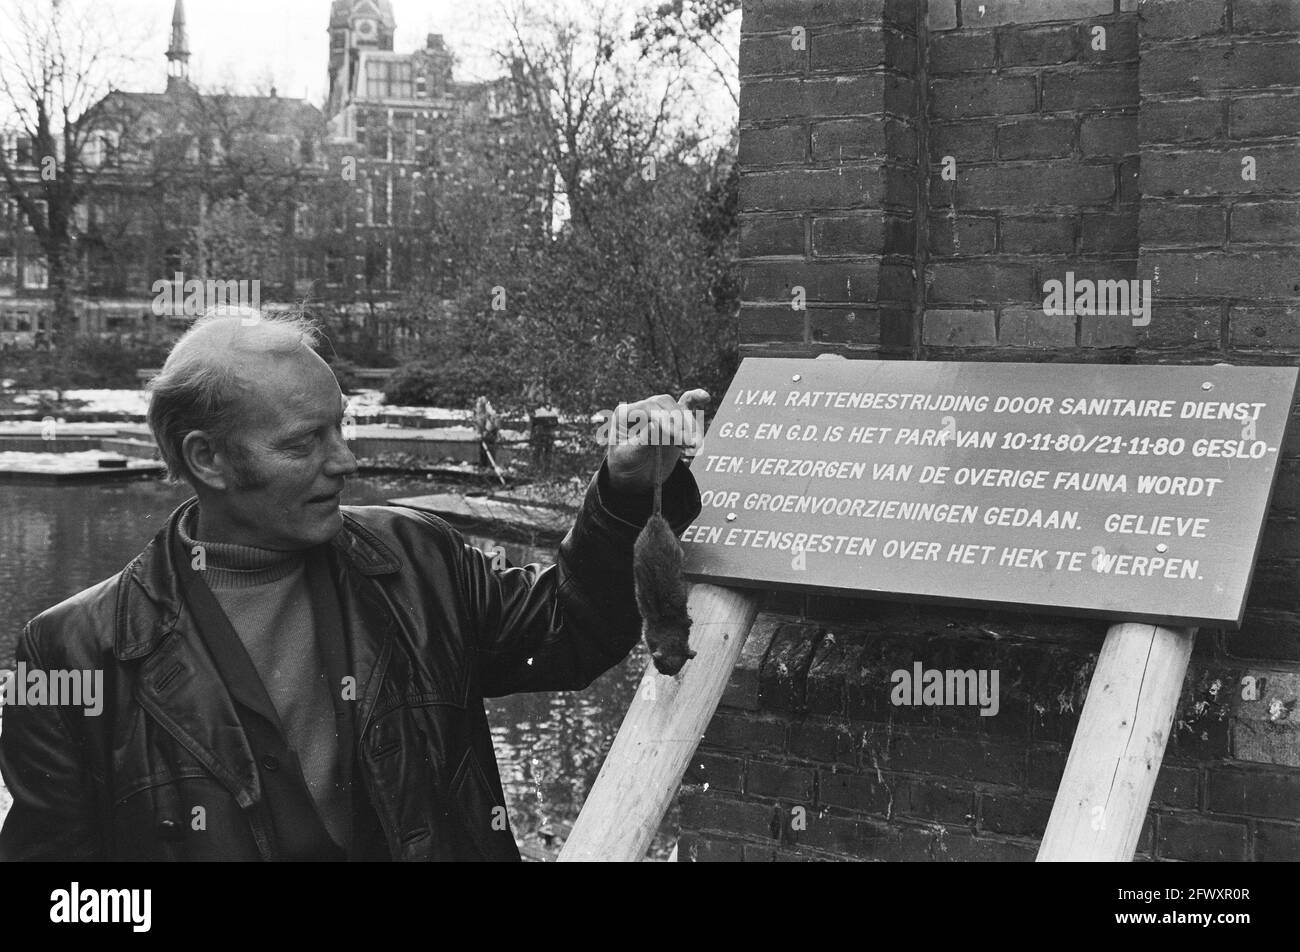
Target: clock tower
column 355, row 26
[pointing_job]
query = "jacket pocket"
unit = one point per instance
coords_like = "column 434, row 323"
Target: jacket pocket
column 483, row 816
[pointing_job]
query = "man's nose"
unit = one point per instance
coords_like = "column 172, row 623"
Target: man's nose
column 341, row 460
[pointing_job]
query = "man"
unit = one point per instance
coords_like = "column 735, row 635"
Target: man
column 288, row 678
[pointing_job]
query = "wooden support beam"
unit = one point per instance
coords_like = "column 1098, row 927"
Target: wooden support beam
column 1118, row 745
column 662, row 728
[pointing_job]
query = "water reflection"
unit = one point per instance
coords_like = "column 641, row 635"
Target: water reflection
column 57, row 540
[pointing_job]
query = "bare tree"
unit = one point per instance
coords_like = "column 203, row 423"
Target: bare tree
column 55, row 71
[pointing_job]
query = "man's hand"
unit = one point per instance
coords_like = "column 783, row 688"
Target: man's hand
column 658, row 429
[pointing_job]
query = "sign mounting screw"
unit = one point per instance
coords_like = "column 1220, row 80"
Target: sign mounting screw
column 1207, row 386
column 731, row 517
column 1162, row 547
column 796, row 378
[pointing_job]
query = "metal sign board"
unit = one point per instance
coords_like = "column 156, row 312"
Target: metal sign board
column 1120, row 491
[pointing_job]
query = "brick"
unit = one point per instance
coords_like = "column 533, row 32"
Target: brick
column 1265, row 16
column 1108, row 233
column 1027, row 327
column 1113, row 135
column 769, row 15
column 827, row 743
column 865, row 839
column 1272, row 328
column 1265, row 635
column 965, row 848
column 779, row 781
column 832, row 282
column 856, row 235
column 959, row 328
column 935, row 801
column 725, row 814
column 773, row 324
column 1261, row 116
column 1059, row 182
column 1182, row 326
column 1014, row 815
column 849, row 51
column 1201, row 69
column 961, row 282
column 1170, row 19
column 804, row 189
column 965, row 141
column 1045, row 768
column 1254, row 793
column 1201, row 840
column 779, row 145
column 1202, row 275
column 1037, row 235
column 1277, row 842
column 982, row 96
column 962, row 235
column 1121, row 43
column 1036, row 139
column 837, row 140
column 1177, row 787
column 985, row 13
column 856, row 792
column 962, row 758
column 762, row 55
column 693, row 848
column 832, row 674
column 745, row 733
column 1215, row 173
column 769, row 235
column 858, row 326
column 955, row 52
column 1040, row 47
column 1270, row 222
column 1096, row 89
column 785, row 98
column 1107, row 330
column 1188, row 226
column 1181, row 121
column 1129, row 171
column 721, row 773
column 941, row 15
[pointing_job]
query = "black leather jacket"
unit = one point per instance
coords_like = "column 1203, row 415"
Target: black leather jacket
column 432, row 630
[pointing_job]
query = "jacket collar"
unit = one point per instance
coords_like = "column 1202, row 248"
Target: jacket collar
column 152, row 575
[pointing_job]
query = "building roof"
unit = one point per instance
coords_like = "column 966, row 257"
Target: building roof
column 342, row 11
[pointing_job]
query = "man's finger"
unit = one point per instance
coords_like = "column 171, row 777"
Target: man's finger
column 697, row 397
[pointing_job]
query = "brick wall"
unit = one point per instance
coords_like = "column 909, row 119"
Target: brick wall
column 1103, row 137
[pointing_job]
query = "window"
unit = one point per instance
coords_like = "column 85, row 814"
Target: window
column 334, row 268
column 378, row 201
column 338, row 39
column 421, row 86
column 24, row 151
column 35, row 274
column 389, row 79
column 404, row 138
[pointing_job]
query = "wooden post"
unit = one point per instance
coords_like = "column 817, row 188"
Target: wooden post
column 1119, row 744
column 662, row 728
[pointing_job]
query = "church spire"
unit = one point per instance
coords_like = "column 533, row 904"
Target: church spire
column 178, row 52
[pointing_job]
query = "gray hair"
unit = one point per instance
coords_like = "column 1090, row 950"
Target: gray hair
column 198, row 386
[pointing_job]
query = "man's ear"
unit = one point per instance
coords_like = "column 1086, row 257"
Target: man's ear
column 200, row 454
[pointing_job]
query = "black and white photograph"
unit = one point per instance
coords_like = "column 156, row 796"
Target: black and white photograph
column 667, row 431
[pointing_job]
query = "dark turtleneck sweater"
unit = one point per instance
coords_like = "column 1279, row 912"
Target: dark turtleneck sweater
column 265, row 595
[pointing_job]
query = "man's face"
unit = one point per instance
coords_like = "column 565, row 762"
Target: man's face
column 289, row 467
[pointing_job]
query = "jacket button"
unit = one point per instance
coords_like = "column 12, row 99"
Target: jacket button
column 271, row 762
column 168, row 829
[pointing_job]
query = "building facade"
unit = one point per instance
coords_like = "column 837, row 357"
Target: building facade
column 326, row 208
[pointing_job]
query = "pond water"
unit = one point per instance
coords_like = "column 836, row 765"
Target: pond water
column 57, row 540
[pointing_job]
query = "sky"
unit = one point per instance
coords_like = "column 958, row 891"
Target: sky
column 251, row 44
